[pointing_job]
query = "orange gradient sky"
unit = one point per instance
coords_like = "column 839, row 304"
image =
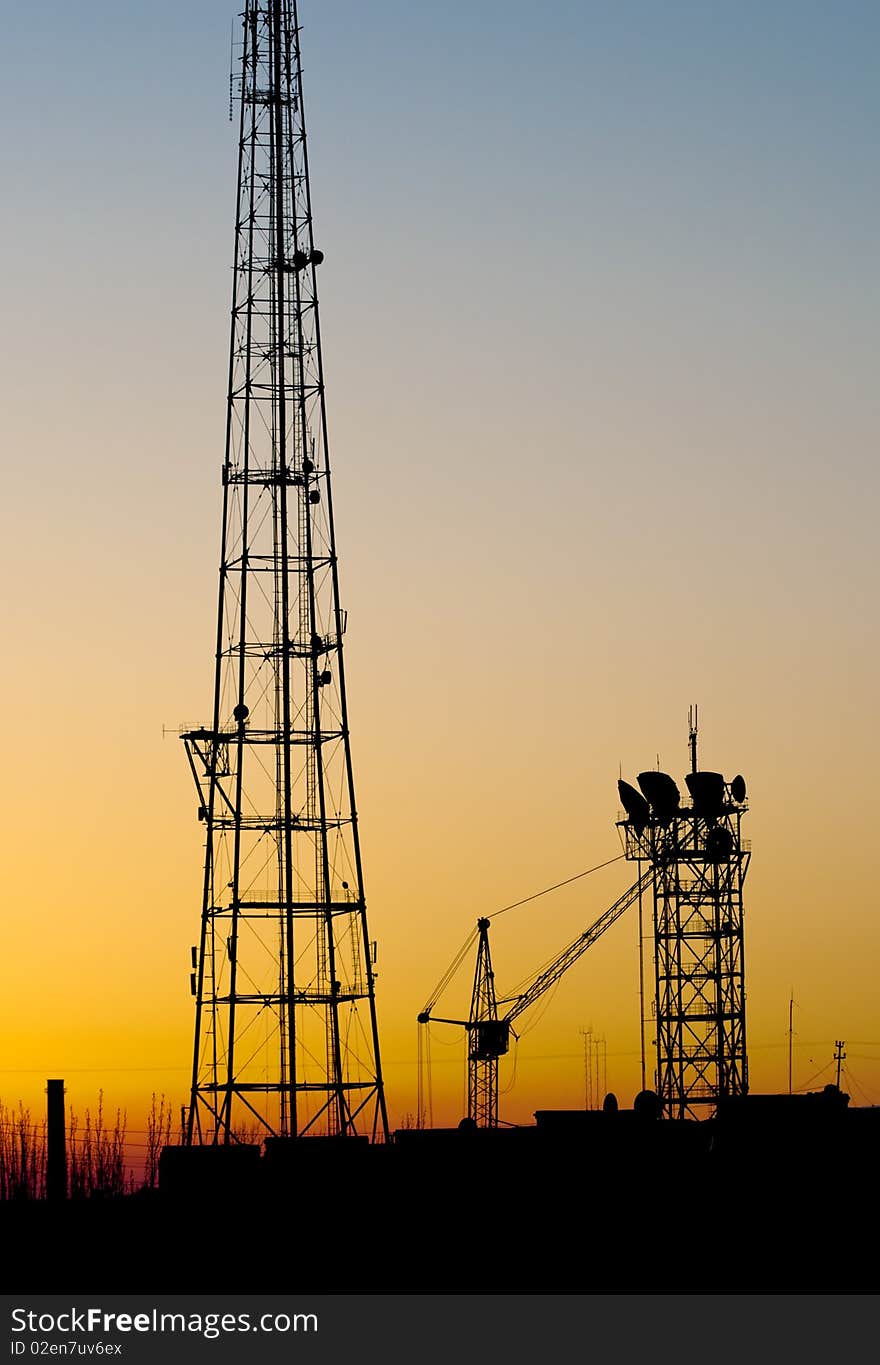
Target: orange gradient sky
column 600, row 330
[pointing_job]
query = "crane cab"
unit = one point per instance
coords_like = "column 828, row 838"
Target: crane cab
column 489, row 1039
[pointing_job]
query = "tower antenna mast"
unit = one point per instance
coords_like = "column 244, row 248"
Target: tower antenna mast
column 286, row 1041
column 698, row 862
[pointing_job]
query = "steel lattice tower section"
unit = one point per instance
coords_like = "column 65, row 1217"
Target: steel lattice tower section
column 286, row 1040
column 699, row 864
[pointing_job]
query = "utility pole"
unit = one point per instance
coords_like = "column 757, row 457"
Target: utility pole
column 595, row 1069
column 790, row 1037
column 839, row 1057
column 286, row 1041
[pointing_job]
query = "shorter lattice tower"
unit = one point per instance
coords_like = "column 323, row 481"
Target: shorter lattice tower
column 699, row 863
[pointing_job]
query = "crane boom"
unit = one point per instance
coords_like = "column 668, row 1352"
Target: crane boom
column 569, row 956
column 489, row 1025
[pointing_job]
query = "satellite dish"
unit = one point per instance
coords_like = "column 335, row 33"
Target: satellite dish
column 635, row 805
column 719, row 844
column 662, row 795
column 738, row 789
column 707, row 794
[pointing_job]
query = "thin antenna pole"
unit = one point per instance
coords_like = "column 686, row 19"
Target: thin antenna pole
column 790, row 1035
column 642, row 981
column 588, row 1067
column 692, row 736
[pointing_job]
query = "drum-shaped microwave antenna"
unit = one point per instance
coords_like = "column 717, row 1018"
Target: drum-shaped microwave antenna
column 662, row 795
column 635, row 805
column 707, row 794
column 738, row 789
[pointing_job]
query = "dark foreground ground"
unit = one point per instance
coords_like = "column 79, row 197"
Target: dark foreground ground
column 585, row 1203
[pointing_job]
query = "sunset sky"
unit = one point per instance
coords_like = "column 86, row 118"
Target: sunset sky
column 600, row 321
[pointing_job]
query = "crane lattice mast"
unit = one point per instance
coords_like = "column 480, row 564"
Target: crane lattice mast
column 487, row 1037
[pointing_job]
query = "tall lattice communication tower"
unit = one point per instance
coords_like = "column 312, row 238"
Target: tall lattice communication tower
column 698, row 862
column 286, row 1040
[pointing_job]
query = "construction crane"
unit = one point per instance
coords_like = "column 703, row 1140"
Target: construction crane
column 488, row 1030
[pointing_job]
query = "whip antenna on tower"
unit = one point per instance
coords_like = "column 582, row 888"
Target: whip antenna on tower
column 231, row 69
column 692, row 736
